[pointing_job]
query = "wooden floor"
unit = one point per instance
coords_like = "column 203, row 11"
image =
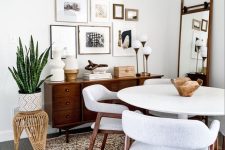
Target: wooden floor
column 25, row 143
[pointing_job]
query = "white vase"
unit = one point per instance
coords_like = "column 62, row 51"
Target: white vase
column 30, row 102
column 57, row 66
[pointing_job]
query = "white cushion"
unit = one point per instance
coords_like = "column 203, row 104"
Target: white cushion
column 109, row 124
column 141, row 146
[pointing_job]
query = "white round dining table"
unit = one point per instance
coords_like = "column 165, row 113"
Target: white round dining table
column 206, row 101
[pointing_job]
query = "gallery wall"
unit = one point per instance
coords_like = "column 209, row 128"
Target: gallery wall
column 158, row 19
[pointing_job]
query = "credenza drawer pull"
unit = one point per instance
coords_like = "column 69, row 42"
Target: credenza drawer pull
column 67, row 90
column 67, row 116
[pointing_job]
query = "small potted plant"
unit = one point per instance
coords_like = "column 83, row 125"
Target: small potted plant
column 29, row 66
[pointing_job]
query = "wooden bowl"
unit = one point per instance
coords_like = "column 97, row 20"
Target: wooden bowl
column 185, row 86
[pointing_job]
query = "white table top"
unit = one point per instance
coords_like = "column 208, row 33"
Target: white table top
column 206, row 101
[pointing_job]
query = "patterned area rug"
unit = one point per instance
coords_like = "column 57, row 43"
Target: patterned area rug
column 81, row 142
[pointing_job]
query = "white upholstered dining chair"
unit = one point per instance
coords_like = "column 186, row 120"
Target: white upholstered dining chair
column 153, row 133
column 222, row 128
column 109, row 115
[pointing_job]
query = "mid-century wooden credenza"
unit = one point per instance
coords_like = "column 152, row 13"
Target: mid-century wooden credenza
column 64, row 103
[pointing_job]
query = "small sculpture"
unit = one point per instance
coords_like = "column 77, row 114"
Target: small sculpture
column 185, row 86
column 92, row 66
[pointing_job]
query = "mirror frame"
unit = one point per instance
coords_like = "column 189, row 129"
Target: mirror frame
column 209, row 43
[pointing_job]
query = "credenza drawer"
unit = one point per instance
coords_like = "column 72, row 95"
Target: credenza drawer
column 65, row 103
column 67, row 116
column 66, row 90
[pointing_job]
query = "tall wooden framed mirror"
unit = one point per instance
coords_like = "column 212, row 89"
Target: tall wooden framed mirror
column 195, row 39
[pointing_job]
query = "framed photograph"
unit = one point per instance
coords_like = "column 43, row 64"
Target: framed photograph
column 118, row 11
column 196, row 24
column 63, row 38
column 100, row 11
column 132, row 14
column 94, row 40
column 123, row 35
column 204, row 26
column 72, row 10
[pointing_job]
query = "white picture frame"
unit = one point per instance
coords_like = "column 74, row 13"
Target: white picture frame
column 94, row 40
column 100, row 11
column 72, row 11
column 119, row 50
column 64, row 38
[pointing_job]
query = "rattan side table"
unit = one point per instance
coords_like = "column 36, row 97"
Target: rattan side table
column 35, row 125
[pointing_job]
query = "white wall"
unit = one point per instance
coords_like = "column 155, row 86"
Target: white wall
column 217, row 58
column 25, row 17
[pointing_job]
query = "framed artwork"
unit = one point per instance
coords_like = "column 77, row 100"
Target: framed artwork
column 123, row 35
column 64, row 38
column 100, row 11
column 132, row 14
column 118, row 11
column 196, row 24
column 72, row 10
column 94, row 40
column 204, row 26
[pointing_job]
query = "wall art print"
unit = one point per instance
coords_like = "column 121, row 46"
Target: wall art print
column 123, row 35
column 72, row 10
column 94, row 40
column 100, row 11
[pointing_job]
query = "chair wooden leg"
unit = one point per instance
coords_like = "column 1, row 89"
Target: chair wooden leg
column 104, row 141
column 95, row 132
column 127, row 143
column 223, row 147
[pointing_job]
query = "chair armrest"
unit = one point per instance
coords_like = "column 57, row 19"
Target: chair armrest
column 106, row 107
column 214, row 129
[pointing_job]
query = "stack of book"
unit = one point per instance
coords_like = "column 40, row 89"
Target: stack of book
column 98, row 76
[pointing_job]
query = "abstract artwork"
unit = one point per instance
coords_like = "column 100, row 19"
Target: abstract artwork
column 100, row 11
column 72, row 10
column 123, row 35
column 94, row 40
column 126, row 39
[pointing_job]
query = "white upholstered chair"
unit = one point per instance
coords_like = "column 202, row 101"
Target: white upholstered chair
column 109, row 115
column 222, row 128
column 153, row 133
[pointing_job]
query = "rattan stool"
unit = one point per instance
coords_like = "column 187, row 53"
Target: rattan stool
column 35, row 124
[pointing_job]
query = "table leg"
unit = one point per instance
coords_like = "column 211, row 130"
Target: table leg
column 182, row 116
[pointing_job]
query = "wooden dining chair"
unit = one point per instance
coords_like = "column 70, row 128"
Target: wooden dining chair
column 109, row 115
column 154, row 133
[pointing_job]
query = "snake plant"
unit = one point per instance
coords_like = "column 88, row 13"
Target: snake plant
column 29, row 66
